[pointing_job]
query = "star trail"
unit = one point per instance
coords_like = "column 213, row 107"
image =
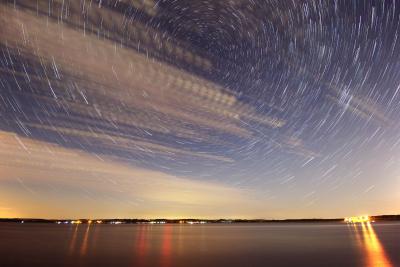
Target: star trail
column 210, row 109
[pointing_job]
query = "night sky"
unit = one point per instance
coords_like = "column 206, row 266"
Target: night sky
column 206, row 109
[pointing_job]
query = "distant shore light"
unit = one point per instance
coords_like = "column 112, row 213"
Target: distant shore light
column 357, row 219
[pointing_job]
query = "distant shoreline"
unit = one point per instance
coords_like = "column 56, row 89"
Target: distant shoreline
column 377, row 218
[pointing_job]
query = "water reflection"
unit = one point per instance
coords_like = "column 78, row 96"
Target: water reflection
column 84, row 245
column 198, row 246
column 166, row 246
column 357, row 235
column 73, row 240
column 141, row 246
column 374, row 253
column 94, row 237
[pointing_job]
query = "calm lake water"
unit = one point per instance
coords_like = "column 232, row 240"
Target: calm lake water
column 232, row 245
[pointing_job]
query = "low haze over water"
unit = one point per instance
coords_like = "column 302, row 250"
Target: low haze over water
column 170, row 245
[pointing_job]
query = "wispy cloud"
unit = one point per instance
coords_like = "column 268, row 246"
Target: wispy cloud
column 94, row 82
column 127, row 144
column 104, row 182
column 359, row 106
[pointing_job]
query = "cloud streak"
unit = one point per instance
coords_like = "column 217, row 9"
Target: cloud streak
column 103, row 183
column 93, row 82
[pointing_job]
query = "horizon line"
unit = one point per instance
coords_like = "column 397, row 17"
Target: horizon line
column 186, row 218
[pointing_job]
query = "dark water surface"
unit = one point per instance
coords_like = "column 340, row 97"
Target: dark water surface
column 324, row 244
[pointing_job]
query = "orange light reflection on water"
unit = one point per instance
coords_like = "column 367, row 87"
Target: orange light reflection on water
column 84, row 246
column 73, row 240
column 374, row 251
column 166, row 246
column 141, row 246
column 358, row 236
